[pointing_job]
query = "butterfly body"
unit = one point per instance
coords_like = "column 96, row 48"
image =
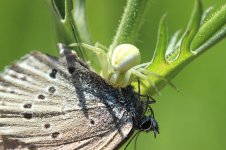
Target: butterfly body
column 58, row 103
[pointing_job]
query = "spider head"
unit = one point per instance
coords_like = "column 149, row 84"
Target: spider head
column 124, row 57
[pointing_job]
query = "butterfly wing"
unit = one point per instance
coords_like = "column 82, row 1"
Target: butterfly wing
column 45, row 106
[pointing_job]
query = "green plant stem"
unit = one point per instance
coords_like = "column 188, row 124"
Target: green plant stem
column 131, row 22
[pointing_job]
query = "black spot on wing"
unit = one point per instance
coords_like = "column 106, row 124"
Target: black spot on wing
column 42, row 97
column 27, row 106
column 47, row 125
column 92, row 121
column 52, row 90
column 27, row 115
column 53, row 73
column 71, row 70
column 53, row 63
column 55, row 134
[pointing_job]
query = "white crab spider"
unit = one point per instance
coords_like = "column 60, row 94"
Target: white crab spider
column 121, row 66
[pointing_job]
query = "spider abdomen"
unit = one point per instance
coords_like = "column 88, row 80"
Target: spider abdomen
column 124, row 57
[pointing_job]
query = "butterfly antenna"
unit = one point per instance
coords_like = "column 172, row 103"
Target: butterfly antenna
column 135, row 146
column 131, row 139
column 150, row 100
column 152, row 112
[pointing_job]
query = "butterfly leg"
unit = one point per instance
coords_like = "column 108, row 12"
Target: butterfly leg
column 96, row 49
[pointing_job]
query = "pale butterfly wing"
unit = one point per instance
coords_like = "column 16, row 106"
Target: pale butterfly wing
column 44, row 106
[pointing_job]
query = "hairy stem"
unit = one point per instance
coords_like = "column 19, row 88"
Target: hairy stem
column 131, row 22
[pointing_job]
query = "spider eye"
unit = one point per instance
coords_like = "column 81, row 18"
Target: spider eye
column 124, row 57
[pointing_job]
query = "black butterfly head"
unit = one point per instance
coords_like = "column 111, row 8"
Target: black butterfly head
column 148, row 123
column 142, row 121
column 145, row 118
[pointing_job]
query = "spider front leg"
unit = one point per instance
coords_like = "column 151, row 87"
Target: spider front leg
column 120, row 80
column 145, row 77
column 94, row 49
column 147, row 72
column 142, row 68
column 101, row 55
column 98, row 45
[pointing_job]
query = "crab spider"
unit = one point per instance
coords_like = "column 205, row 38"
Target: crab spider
column 121, row 66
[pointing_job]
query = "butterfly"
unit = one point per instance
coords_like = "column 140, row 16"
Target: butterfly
column 49, row 102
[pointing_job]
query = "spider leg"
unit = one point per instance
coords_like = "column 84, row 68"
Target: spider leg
column 126, row 80
column 142, row 76
column 97, row 44
column 101, row 54
column 158, row 76
column 151, row 110
column 141, row 66
column 150, row 100
column 127, row 77
column 94, row 49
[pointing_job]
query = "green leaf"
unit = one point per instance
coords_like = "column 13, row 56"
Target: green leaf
column 59, row 7
column 192, row 28
column 171, row 54
column 162, row 41
column 206, row 14
column 63, row 30
column 80, row 20
column 221, row 34
column 61, row 11
column 210, row 27
column 81, row 28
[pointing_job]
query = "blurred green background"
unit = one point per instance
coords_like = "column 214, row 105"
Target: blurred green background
column 194, row 118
